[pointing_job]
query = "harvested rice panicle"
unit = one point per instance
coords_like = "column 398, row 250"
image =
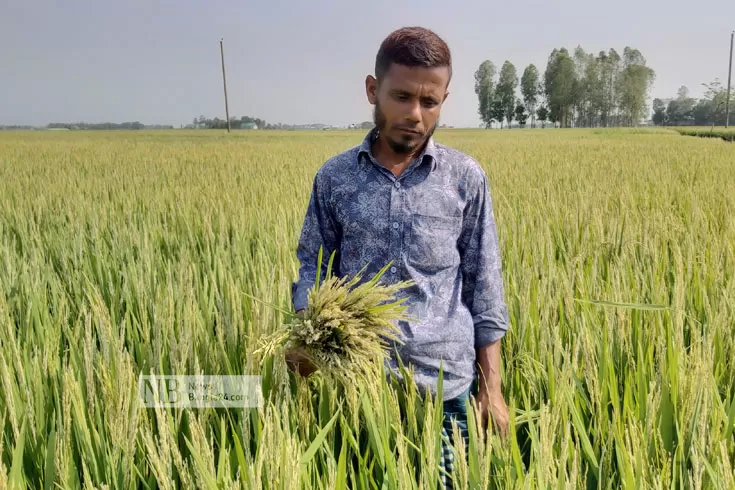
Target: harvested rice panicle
column 347, row 328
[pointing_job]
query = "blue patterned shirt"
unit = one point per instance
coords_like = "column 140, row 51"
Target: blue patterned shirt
column 435, row 222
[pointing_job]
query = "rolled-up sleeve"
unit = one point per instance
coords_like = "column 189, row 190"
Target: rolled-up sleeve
column 482, row 289
column 319, row 230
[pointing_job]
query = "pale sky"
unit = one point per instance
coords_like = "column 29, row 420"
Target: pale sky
column 298, row 62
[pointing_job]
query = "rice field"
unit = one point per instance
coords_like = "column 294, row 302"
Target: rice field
column 128, row 253
column 727, row 134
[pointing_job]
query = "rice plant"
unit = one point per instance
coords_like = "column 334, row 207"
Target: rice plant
column 129, row 253
column 348, row 327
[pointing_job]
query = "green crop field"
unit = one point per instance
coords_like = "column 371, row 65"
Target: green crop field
column 727, row 134
column 128, row 253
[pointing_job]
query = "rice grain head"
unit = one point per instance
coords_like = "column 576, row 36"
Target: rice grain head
column 346, row 329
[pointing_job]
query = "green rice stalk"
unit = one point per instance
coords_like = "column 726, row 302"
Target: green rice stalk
column 347, row 327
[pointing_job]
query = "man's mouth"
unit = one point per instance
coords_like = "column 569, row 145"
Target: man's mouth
column 410, row 131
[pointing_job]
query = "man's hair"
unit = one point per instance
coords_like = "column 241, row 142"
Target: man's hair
column 412, row 47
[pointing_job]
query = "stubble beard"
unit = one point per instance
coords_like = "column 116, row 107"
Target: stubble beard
column 407, row 147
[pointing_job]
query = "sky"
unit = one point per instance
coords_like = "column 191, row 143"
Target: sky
column 300, row 62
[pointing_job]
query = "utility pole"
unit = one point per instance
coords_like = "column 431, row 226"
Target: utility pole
column 224, row 82
column 729, row 80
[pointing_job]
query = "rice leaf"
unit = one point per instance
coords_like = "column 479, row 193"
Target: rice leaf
column 318, row 440
column 633, row 306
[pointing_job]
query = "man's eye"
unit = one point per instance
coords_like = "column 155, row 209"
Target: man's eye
column 429, row 103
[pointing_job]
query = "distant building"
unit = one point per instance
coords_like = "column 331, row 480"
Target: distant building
column 248, row 125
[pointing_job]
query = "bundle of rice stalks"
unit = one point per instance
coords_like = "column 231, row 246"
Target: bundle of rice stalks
column 347, row 328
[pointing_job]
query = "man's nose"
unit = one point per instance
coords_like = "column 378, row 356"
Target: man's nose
column 414, row 114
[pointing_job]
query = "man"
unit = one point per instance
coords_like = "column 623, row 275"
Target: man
column 401, row 197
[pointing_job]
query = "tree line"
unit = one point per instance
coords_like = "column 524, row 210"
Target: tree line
column 576, row 90
column 235, row 123
column 247, row 122
column 683, row 110
column 135, row 125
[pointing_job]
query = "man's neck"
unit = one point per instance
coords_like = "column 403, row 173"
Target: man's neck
column 396, row 163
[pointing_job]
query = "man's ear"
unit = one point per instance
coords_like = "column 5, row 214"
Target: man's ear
column 371, row 89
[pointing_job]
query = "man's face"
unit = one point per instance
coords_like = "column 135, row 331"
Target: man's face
column 407, row 103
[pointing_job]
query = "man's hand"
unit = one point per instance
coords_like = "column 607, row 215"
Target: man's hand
column 490, row 402
column 492, row 407
column 298, row 363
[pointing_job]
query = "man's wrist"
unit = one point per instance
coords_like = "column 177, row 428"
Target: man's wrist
column 488, row 364
column 489, row 388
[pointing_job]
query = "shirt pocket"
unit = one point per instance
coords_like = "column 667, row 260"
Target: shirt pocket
column 433, row 242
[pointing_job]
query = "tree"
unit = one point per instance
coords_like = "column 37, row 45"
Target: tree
column 217, row 123
column 543, row 115
column 679, row 110
column 703, row 113
column 711, row 108
column 484, row 89
column 497, row 110
column 633, row 85
column 716, row 96
column 559, row 84
column 520, row 113
column 506, row 90
column 595, row 93
column 610, row 67
column 684, row 110
column 530, row 90
column 581, row 98
column 659, row 112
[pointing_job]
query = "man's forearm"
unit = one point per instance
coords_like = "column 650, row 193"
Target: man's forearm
column 488, row 359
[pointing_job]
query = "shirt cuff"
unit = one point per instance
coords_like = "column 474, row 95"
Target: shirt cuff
column 490, row 326
column 300, row 296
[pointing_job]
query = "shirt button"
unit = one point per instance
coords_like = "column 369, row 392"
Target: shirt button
column 398, row 185
column 393, row 270
column 395, row 226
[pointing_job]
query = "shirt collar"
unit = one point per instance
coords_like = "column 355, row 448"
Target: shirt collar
column 366, row 148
